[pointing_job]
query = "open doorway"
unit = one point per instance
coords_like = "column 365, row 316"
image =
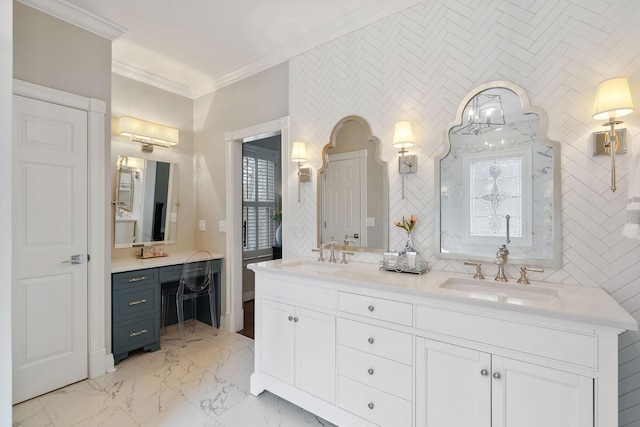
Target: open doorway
column 261, row 214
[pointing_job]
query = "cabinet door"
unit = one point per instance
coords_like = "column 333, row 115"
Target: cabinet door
column 453, row 386
column 315, row 353
column 276, row 341
column 528, row 395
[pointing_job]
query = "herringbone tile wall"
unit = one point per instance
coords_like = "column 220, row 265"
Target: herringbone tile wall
column 418, row 64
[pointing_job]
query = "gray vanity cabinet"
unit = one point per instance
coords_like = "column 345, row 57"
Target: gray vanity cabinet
column 135, row 312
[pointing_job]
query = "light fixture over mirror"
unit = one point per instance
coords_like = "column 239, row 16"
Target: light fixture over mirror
column 148, row 133
column 613, row 100
column 353, row 195
column 403, row 139
column 299, row 155
column 499, row 180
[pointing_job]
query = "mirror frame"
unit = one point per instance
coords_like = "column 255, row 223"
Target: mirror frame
column 325, row 163
column 556, row 260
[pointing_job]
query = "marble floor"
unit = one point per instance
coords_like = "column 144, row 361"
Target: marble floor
column 204, row 384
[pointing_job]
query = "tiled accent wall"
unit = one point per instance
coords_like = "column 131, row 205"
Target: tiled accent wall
column 418, row 65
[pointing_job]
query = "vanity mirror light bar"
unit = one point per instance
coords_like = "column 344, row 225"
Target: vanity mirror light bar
column 148, row 133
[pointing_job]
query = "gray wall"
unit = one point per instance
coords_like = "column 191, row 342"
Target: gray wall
column 258, row 99
column 6, row 75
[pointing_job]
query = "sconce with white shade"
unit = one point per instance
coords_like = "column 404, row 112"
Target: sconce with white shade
column 299, row 155
column 403, row 139
column 613, row 100
column 148, row 133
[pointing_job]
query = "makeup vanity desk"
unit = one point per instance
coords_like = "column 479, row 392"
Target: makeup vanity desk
column 136, row 288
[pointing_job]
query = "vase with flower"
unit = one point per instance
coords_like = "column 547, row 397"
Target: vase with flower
column 407, row 225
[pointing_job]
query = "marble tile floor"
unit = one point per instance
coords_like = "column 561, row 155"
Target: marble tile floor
column 204, row 384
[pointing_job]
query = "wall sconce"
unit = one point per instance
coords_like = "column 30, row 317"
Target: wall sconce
column 403, row 139
column 613, row 100
column 148, row 133
column 299, row 155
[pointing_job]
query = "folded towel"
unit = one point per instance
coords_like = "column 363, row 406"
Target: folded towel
column 632, row 227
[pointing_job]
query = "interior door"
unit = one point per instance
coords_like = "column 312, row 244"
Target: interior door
column 50, row 230
column 342, row 208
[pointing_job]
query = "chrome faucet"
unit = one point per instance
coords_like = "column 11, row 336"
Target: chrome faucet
column 501, row 261
column 332, row 246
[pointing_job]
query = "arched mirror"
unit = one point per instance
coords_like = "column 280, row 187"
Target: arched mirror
column 146, row 206
column 353, row 199
column 499, row 181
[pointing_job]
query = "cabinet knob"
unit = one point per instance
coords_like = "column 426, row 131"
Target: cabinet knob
column 370, row 371
column 295, row 319
column 496, row 375
column 290, row 318
column 371, row 308
column 370, row 340
column 484, row 372
column 370, row 405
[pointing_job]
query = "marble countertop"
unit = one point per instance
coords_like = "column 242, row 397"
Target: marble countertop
column 119, row 265
column 568, row 302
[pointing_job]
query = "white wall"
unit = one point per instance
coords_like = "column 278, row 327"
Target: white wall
column 135, row 99
column 420, row 63
column 6, row 76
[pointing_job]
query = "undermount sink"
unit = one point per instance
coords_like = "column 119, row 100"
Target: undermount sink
column 313, row 266
column 501, row 292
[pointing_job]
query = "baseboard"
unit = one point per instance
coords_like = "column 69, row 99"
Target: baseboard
column 248, row 296
column 97, row 363
column 110, row 363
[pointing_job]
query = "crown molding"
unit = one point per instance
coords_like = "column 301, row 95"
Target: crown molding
column 151, row 79
column 78, row 17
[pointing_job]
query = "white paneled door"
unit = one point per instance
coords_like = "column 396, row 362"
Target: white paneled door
column 343, row 199
column 49, row 247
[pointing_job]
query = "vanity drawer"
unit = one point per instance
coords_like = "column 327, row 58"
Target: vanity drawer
column 375, row 371
column 134, row 278
column 136, row 333
column 170, row 273
column 136, row 301
column 559, row 344
column 383, row 342
column 303, row 295
column 376, row 308
column 372, row 404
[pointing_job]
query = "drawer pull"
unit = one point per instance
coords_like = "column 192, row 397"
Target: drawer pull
column 295, row 319
column 484, row 372
column 370, row 371
column 370, row 405
column 140, row 301
column 371, row 308
column 290, row 318
column 136, row 279
column 136, row 333
column 370, row 340
column 496, row 375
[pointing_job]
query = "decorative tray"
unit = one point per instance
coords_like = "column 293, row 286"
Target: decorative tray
column 147, row 256
column 400, row 267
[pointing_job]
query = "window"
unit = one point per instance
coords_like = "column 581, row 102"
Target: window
column 260, row 197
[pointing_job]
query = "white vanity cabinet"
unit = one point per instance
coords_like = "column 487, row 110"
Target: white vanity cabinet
column 464, row 387
column 364, row 348
column 298, row 347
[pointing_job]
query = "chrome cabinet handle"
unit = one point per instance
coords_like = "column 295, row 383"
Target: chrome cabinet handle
column 370, row 405
column 136, row 279
column 74, row 260
column 370, row 340
column 370, row 371
column 140, row 301
column 371, row 308
column 136, row 333
column 496, row 375
column 484, row 372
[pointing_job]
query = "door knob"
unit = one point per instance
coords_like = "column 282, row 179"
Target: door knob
column 75, row 259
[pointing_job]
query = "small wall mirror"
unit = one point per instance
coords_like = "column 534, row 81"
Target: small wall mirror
column 353, row 199
column 146, row 202
column 499, row 181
